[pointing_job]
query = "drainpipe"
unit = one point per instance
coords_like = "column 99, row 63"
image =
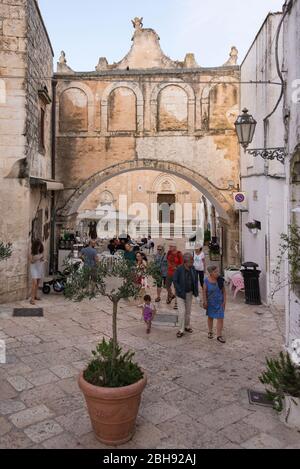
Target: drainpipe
column 52, row 266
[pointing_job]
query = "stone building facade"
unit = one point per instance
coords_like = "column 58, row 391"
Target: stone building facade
column 149, row 113
column 145, row 115
column 26, row 70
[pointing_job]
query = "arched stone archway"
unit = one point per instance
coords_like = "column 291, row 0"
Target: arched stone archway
column 218, row 197
column 213, row 194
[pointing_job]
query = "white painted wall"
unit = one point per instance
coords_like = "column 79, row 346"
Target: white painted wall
column 292, row 107
column 264, row 182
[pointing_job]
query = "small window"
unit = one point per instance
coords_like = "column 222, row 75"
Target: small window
column 42, row 129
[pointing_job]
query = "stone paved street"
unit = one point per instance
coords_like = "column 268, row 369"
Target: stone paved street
column 196, row 395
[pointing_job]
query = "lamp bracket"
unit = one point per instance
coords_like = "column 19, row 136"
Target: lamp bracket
column 278, row 153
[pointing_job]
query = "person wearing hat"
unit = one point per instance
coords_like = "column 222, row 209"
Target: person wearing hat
column 199, row 263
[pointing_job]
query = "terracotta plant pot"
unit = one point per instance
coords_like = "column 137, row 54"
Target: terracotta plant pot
column 113, row 411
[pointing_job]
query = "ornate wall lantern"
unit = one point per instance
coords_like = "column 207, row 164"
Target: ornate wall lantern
column 245, row 126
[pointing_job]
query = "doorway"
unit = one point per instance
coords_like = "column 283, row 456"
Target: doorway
column 165, row 202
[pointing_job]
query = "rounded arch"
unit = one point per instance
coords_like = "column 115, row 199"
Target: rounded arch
column 191, row 103
column 211, row 192
column 160, row 179
column 139, row 103
column 204, row 103
column 73, row 110
column 185, row 86
column 90, row 100
column 216, row 81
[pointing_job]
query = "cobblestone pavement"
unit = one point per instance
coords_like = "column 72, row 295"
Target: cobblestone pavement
column 196, row 395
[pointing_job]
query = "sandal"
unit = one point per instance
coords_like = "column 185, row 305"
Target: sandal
column 32, row 302
column 221, row 340
column 169, row 300
column 179, row 335
column 157, row 300
column 210, row 335
column 175, row 307
column 189, row 330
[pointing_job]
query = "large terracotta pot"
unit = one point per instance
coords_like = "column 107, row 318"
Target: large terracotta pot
column 113, row 411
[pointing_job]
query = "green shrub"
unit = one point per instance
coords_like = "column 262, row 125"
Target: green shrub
column 207, row 236
column 115, row 281
column 100, row 371
column 281, row 378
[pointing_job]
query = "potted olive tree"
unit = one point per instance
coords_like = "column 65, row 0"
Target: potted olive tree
column 112, row 382
column 282, row 381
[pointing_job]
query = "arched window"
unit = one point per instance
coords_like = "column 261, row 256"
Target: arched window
column 73, row 111
column 122, row 110
column 223, row 98
column 172, row 109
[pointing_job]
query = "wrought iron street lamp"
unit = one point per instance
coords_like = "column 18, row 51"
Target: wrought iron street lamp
column 245, row 126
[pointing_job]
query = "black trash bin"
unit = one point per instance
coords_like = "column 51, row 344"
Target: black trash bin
column 251, row 280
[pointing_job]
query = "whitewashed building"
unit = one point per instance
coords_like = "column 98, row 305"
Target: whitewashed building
column 270, row 89
column 291, row 116
column 264, row 181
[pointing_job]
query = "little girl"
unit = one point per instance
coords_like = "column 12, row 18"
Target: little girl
column 148, row 312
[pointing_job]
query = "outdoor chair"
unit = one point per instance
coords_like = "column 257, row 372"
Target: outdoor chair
column 237, row 282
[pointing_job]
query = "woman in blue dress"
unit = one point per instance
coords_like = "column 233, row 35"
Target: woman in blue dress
column 214, row 301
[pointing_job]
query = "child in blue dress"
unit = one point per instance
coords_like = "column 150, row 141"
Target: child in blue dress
column 214, row 301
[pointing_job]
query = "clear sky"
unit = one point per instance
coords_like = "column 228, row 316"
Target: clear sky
column 89, row 29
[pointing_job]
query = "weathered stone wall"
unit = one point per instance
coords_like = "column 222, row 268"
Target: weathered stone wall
column 173, row 124
column 26, row 61
column 181, row 117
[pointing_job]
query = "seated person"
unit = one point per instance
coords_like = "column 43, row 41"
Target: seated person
column 150, row 244
column 112, row 247
column 144, row 241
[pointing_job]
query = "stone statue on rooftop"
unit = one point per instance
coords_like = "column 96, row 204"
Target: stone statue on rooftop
column 62, row 59
column 137, row 23
column 233, row 56
column 62, row 66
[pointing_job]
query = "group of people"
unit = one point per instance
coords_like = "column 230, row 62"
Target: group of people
column 187, row 273
column 181, row 275
column 118, row 244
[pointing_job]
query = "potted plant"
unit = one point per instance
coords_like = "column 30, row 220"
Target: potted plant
column 207, row 237
column 282, row 381
column 5, row 251
column 214, row 249
column 112, row 382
